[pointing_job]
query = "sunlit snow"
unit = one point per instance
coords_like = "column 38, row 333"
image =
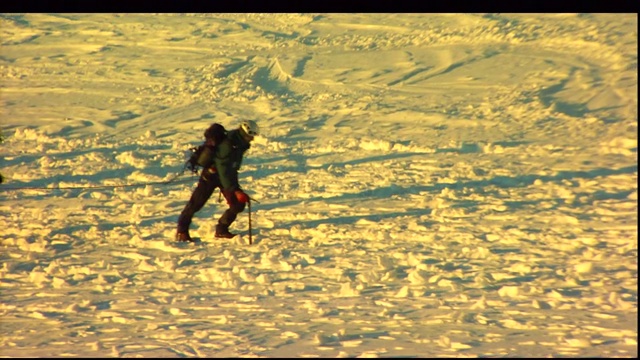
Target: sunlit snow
column 428, row 185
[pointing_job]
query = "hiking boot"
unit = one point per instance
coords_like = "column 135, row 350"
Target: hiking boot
column 183, row 236
column 222, row 231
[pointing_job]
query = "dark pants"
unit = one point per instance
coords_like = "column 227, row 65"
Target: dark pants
column 207, row 183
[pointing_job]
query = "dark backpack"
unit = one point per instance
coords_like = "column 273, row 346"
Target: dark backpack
column 203, row 155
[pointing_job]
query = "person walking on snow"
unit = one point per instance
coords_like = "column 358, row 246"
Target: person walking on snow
column 223, row 174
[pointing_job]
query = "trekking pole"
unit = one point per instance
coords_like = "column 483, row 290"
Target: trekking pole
column 250, row 240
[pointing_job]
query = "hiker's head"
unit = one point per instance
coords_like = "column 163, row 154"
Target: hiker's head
column 249, row 129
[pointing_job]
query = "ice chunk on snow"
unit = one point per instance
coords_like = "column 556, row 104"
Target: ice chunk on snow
column 578, row 342
column 584, row 268
column 374, row 144
column 509, row 291
column 347, row 290
column 403, row 293
column 418, row 277
column 385, row 262
column 263, row 279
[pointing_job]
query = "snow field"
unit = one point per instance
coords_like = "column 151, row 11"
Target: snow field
column 428, row 186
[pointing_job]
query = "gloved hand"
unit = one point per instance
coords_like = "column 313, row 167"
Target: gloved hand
column 242, row 196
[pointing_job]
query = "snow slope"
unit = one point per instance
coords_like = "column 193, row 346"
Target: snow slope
column 429, row 185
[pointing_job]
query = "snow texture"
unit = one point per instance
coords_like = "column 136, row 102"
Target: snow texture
column 429, row 185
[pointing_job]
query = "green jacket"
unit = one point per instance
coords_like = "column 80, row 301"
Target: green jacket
column 228, row 159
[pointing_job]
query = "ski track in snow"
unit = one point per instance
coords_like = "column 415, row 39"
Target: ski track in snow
column 428, row 185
